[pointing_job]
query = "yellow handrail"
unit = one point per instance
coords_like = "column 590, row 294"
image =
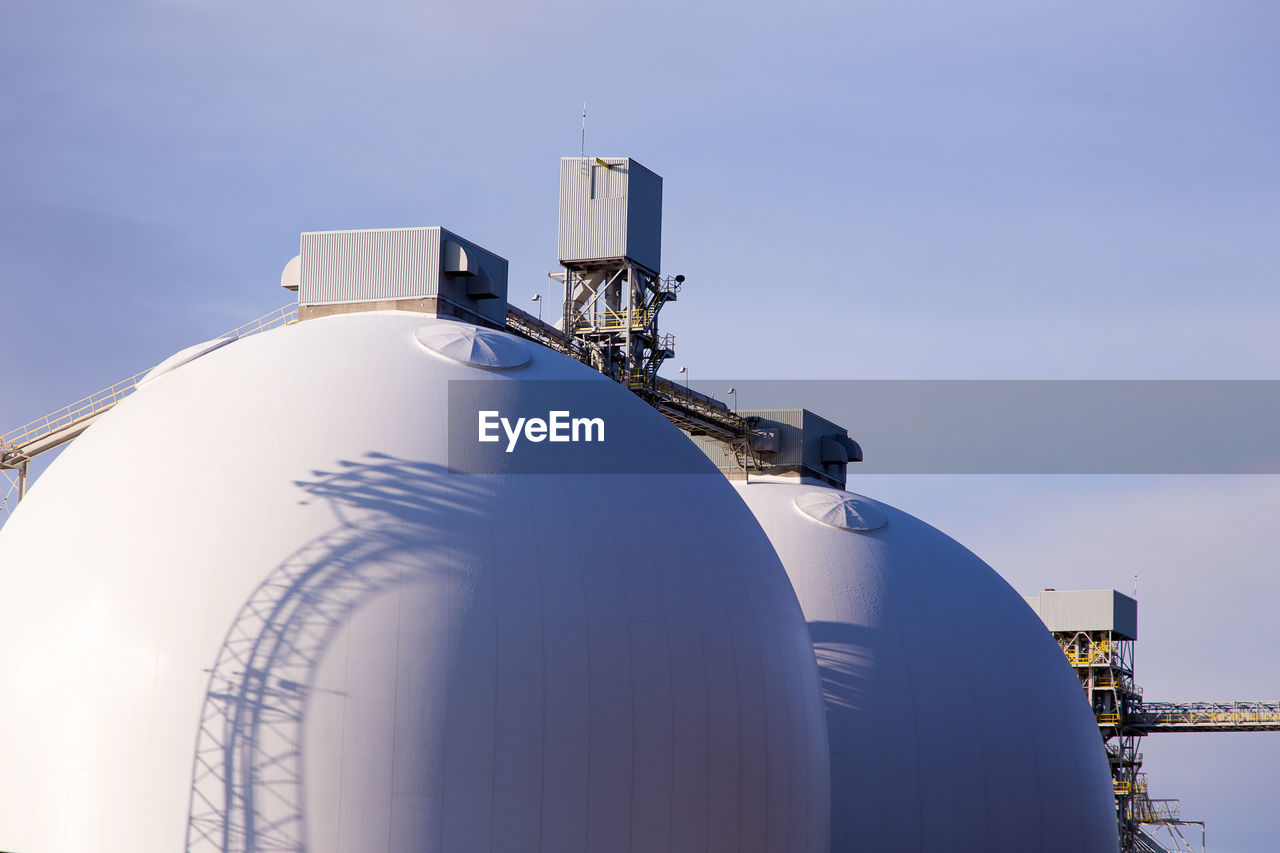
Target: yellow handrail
column 608, row 321
column 64, row 417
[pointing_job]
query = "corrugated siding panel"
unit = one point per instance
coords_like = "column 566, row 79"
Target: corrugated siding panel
column 790, row 426
column 716, row 451
column 592, row 227
column 787, row 422
column 575, row 188
column 609, row 181
column 610, row 213
column 357, row 266
column 790, row 417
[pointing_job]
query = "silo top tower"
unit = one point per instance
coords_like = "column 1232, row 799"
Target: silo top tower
column 611, row 251
column 610, row 210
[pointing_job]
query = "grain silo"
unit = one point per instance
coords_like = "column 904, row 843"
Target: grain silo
column 273, row 600
column 301, row 592
column 954, row 721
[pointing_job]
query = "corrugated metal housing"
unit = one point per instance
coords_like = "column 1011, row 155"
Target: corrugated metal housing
column 389, row 264
column 786, row 441
column 610, row 209
column 1087, row 610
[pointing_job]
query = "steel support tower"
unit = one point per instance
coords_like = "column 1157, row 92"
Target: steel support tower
column 611, row 309
column 1097, row 630
column 1103, row 661
column 610, row 246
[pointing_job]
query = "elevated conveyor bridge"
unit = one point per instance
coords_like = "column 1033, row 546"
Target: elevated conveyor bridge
column 1151, row 717
column 1097, row 630
column 695, row 413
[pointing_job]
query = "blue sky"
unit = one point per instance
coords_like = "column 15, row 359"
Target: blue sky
column 854, row 190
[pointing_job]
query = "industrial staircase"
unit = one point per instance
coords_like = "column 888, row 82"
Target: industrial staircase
column 1144, row 843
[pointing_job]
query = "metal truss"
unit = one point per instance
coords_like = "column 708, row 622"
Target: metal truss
column 625, row 344
column 13, row 485
column 1103, row 661
column 1153, row 717
column 1148, row 838
column 612, row 308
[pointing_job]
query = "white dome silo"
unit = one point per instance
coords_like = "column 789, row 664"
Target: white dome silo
column 954, row 720
column 251, row 608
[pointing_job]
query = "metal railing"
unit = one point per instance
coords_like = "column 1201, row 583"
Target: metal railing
column 1088, row 654
column 1120, row 684
column 1156, row 811
column 612, row 321
column 16, row 444
column 1206, row 716
column 282, row 316
column 12, row 442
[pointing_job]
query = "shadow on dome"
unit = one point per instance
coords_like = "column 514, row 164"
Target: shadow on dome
column 247, row 784
column 846, row 664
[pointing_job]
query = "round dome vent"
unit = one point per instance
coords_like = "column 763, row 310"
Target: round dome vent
column 472, row 346
column 185, row 356
column 847, row 512
column 907, row 622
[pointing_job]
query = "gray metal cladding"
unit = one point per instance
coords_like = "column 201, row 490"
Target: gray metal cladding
column 789, row 425
column 1087, row 610
column 717, row 451
column 466, row 289
column 610, row 207
column 358, row 266
column 800, row 434
column 784, row 438
column 388, row 264
column 788, row 443
column 644, row 218
column 609, row 180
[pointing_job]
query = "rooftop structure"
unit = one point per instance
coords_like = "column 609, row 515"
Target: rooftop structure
column 426, row 270
column 1087, row 610
column 610, row 213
